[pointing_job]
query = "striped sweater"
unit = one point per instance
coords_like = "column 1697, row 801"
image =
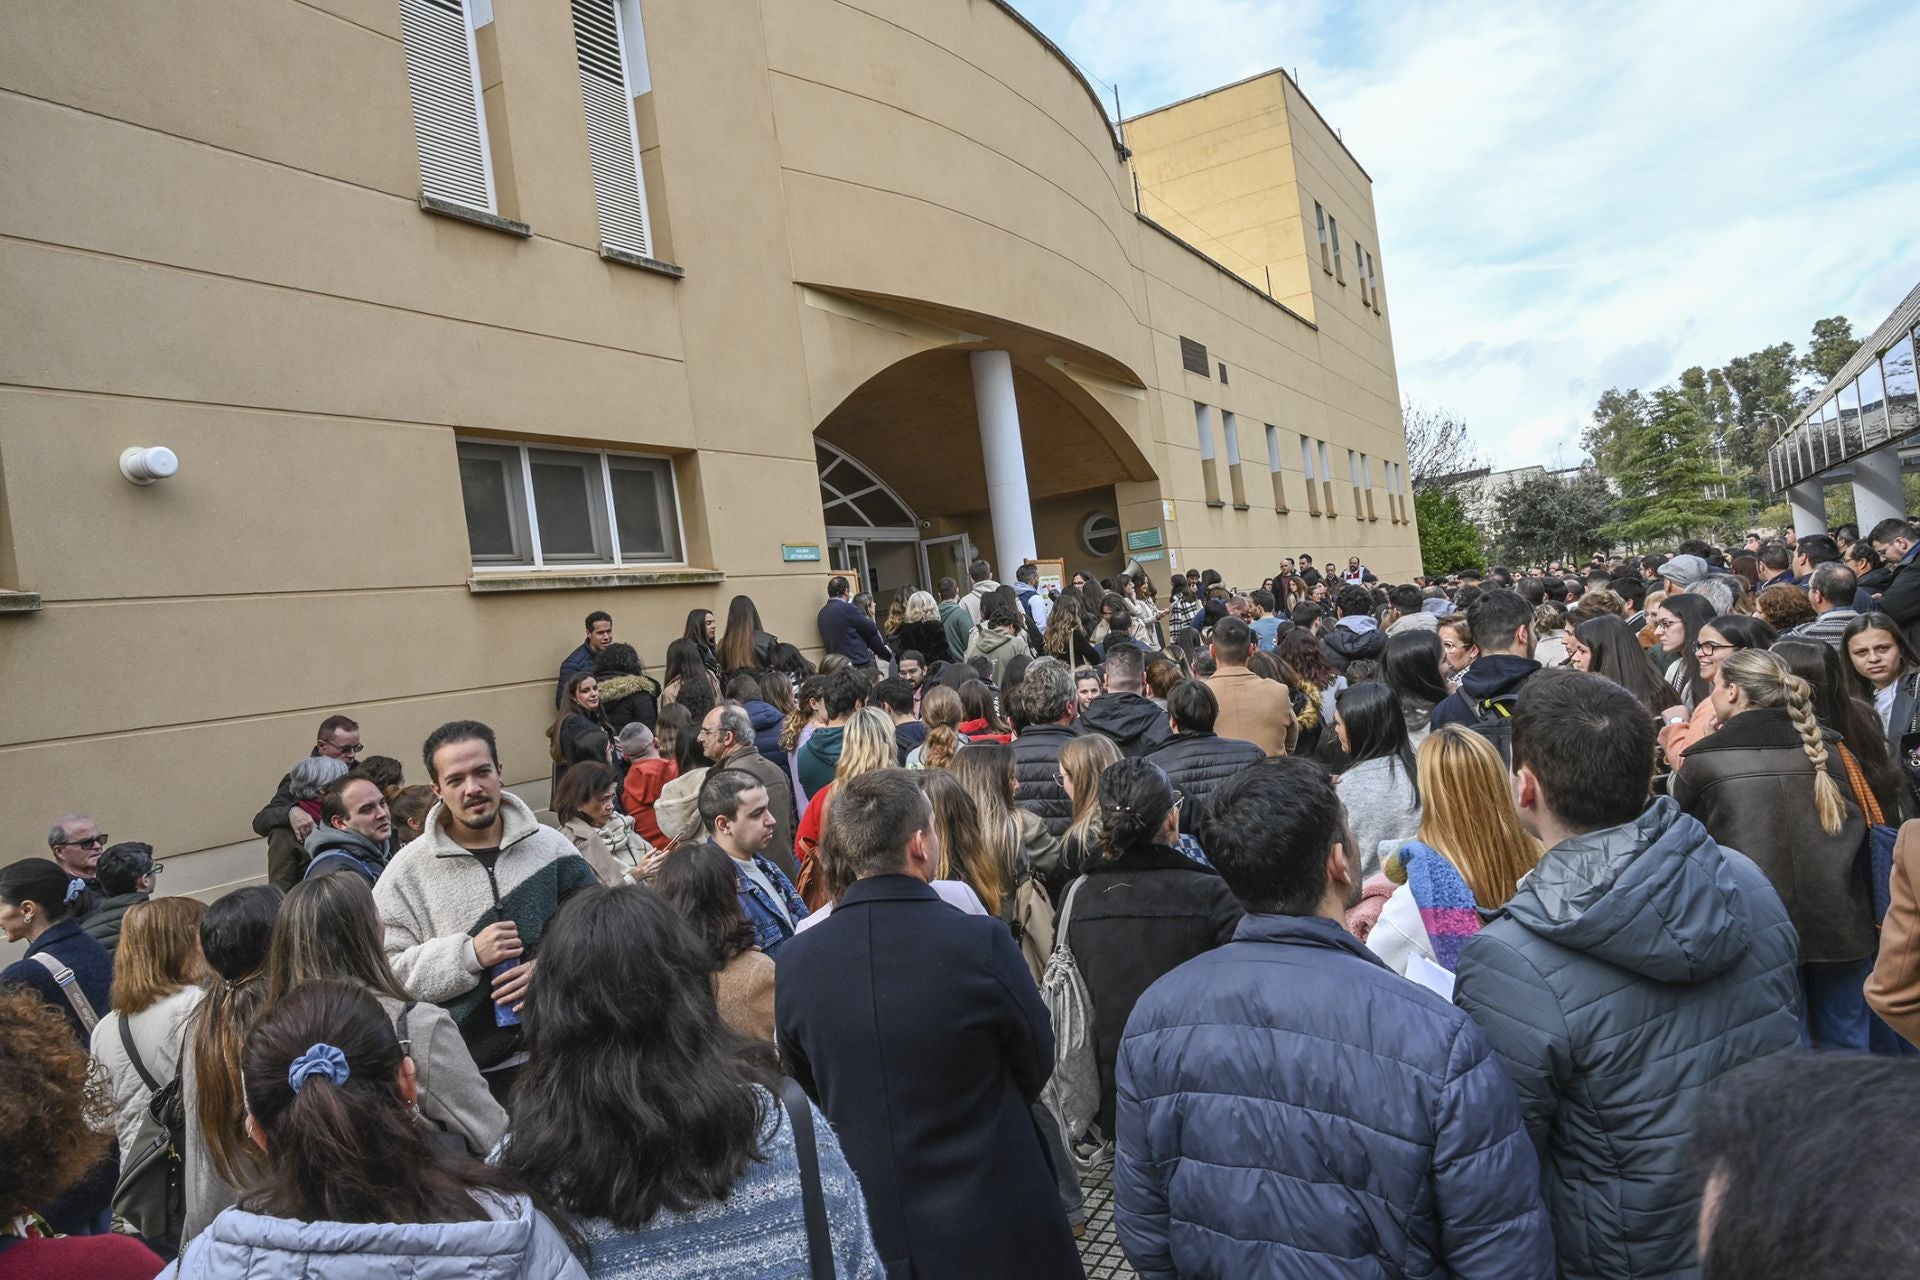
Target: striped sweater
column 435, row 896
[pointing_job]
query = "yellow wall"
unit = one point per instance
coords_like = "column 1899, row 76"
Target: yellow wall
column 213, row 241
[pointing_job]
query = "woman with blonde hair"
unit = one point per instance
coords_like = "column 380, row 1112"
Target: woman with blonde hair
column 868, row 744
column 922, row 632
column 1466, row 859
column 1015, row 840
column 156, row 986
column 1771, row 783
column 1082, row 761
column 941, row 711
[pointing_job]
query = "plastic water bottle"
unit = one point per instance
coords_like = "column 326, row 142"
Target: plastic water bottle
column 503, row 1015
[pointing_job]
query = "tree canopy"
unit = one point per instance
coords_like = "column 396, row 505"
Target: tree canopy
column 1448, row 541
column 1547, row 518
column 1438, row 445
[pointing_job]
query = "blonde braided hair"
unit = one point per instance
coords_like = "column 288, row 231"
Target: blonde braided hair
column 1766, row 680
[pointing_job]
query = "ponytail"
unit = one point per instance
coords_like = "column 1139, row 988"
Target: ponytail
column 235, row 937
column 942, row 711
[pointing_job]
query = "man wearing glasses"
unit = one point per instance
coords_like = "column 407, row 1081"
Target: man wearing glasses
column 339, row 738
column 77, row 843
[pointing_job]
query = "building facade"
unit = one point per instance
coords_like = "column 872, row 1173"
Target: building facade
column 461, row 318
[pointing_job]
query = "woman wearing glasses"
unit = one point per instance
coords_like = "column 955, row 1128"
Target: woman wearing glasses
column 1728, row 633
column 1676, row 624
column 1141, row 910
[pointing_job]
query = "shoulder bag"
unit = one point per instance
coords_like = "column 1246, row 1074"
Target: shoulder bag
column 813, row 1199
column 1072, row 1092
column 1880, row 836
column 152, row 1193
column 69, row 984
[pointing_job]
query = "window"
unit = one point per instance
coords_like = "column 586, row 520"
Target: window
column 1306, row 465
column 1193, row 357
column 1235, row 482
column 1373, row 284
column 1273, row 469
column 449, row 117
column 1099, row 535
column 1203, row 431
column 1360, row 271
column 1339, row 271
column 1903, row 407
column 1366, row 485
column 1326, row 255
column 605, row 52
column 1873, row 404
column 529, row 506
column 1326, row 480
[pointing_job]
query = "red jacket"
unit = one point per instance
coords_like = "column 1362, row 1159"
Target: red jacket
column 645, row 778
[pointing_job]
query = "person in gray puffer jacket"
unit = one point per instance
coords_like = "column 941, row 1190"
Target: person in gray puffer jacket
column 1637, row 963
column 352, row 1188
column 1196, row 759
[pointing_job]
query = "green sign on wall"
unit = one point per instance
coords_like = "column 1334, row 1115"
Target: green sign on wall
column 809, row 552
column 1143, row 539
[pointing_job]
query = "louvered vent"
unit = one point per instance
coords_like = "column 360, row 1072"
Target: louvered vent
column 449, row 121
column 1193, row 357
column 613, row 149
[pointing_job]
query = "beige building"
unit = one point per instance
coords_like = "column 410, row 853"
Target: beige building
column 456, row 319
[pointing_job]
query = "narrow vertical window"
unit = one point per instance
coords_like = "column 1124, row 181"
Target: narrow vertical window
column 1366, row 485
column 1373, row 283
column 1326, row 479
column 1306, row 465
column 1203, row 431
column 605, row 51
column 449, row 116
column 1339, row 270
column 1273, row 469
column 1235, row 482
column 1326, row 255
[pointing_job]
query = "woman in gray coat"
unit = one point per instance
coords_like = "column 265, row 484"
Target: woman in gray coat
column 1380, row 787
column 1769, row 784
column 328, row 930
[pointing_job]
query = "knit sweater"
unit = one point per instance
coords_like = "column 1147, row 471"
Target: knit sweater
column 435, row 896
column 758, row 1232
column 1381, row 806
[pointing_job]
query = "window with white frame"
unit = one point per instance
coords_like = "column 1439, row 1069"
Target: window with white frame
column 607, row 43
column 1373, row 283
column 1203, row 433
column 1273, row 468
column 449, row 114
column 531, row 506
column 1236, row 483
column 1339, row 271
column 1326, row 255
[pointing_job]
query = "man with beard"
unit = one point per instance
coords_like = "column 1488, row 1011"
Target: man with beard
column 1294, row 1027
column 464, row 905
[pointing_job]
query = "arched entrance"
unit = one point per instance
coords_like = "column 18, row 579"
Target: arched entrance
column 873, row 536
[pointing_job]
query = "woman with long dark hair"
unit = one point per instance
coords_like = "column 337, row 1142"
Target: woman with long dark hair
column 1411, row 665
column 745, row 645
column 1065, row 637
column 349, row 1184
column 1379, row 786
column 1605, row 646
column 608, row 839
column 1141, row 909
column 983, row 722
column 1726, row 634
column 329, row 930
column 699, row 882
column 1676, row 624
column 1302, row 651
column 701, row 633
column 1886, row 671
column 571, row 737
column 1837, row 708
column 235, row 935
column 652, row 1124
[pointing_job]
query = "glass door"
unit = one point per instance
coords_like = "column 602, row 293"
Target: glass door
column 849, row 556
column 945, row 558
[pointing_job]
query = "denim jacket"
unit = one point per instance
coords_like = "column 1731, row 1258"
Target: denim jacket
column 770, row 929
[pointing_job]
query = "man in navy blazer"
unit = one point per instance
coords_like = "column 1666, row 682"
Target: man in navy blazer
column 918, row 1031
column 845, row 629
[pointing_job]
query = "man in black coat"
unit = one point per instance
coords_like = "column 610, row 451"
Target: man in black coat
column 918, row 1030
column 1899, row 545
column 846, row 629
column 1135, row 723
column 1049, row 706
column 1196, row 759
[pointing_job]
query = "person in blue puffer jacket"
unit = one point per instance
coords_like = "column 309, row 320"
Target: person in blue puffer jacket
column 352, row 1188
column 1289, row 1106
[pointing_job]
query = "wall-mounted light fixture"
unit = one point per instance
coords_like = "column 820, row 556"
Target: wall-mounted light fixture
column 145, row 464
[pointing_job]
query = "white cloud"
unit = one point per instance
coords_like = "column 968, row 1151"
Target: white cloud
column 1574, row 196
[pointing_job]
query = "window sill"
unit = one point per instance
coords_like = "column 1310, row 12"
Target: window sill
column 589, row 579
column 19, row 601
column 1215, row 502
column 1241, row 506
column 642, row 262
column 478, row 217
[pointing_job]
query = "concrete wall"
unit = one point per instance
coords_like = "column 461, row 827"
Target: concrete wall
column 212, row 240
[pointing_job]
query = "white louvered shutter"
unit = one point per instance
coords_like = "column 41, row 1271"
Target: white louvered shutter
column 613, row 146
column 449, row 117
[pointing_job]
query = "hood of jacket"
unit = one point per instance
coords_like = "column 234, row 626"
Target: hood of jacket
column 614, row 688
column 1494, row 674
column 1421, row 621
column 346, row 841
column 763, row 715
column 992, row 642
column 1655, row 896
column 1356, row 641
column 514, row 1242
column 1123, row 717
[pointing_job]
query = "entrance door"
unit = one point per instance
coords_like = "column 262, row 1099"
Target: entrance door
column 946, row 558
column 849, row 556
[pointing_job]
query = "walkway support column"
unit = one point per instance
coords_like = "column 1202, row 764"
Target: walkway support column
column 1877, row 492
column 1007, row 499
column 1808, row 502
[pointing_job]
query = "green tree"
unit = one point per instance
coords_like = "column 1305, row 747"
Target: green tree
column 1554, row 518
column 1448, row 542
column 1673, row 488
column 1617, row 417
column 1832, row 346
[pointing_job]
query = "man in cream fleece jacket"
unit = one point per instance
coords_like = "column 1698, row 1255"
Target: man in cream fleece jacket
column 472, row 895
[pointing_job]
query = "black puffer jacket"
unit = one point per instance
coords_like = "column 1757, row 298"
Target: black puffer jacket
column 1345, row 645
column 1036, row 758
column 1900, row 599
column 1136, row 724
column 1196, row 763
column 1134, row 920
column 928, row 639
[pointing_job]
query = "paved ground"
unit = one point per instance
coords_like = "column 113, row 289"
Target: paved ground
column 1098, row 1249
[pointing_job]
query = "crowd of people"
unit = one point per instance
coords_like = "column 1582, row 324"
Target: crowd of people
column 1557, row 920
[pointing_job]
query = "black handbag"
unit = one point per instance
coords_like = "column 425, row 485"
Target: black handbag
column 151, row 1194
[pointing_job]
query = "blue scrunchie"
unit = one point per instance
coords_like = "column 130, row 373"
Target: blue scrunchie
column 318, row 1060
column 75, row 887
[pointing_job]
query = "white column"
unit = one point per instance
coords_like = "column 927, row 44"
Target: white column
column 1006, row 466
column 1808, row 502
column 1877, row 492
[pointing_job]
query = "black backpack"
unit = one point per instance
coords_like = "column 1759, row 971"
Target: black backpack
column 1493, row 720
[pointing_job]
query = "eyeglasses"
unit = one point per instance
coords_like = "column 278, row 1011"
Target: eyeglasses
column 1711, row 646
column 1661, row 624
column 1059, row 777
column 92, row 842
column 353, row 750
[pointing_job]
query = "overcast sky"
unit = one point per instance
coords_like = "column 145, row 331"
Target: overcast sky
column 1573, row 196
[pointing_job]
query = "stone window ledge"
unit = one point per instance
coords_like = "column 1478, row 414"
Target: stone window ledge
column 590, row 579
column 642, row 262
column 19, row 601
column 478, row 217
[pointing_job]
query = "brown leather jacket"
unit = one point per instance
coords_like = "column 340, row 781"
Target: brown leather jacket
column 1894, row 989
